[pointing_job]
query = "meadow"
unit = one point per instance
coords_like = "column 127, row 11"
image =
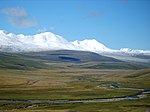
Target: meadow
column 60, row 81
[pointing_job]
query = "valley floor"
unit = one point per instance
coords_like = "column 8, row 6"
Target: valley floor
column 73, row 84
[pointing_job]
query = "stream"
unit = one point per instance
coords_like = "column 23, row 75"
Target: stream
column 139, row 95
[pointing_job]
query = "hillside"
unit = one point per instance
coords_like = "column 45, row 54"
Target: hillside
column 63, row 59
column 69, row 56
column 15, row 61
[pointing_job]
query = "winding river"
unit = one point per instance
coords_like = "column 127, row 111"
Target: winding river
column 139, row 95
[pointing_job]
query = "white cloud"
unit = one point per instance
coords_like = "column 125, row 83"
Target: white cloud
column 18, row 17
column 44, row 29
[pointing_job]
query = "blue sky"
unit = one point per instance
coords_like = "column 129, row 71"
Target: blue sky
column 115, row 23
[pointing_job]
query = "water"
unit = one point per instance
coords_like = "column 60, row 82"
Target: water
column 140, row 95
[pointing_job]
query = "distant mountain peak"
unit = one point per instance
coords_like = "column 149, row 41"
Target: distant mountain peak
column 128, row 50
column 10, row 42
column 90, row 45
column 3, row 32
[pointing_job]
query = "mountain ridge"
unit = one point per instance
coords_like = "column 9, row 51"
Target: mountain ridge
column 10, row 42
column 63, row 59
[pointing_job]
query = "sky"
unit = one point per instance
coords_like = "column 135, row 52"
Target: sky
column 115, row 23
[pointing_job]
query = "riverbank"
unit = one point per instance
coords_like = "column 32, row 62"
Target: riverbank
column 139, row 95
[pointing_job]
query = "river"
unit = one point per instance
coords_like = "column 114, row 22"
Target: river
column 139, row 95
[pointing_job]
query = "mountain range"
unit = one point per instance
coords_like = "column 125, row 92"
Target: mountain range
column 47, row 41
column 10, row 42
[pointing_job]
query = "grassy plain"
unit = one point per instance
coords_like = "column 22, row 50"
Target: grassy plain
column 141, row 105
column 65, row 82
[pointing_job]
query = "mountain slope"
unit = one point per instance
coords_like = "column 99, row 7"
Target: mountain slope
column 62, row 59
column 111, row 65
column 90, row 45
column 70, row 56
column 40, row 42
column 15, row 61
column 10, row 42
column 45, row 41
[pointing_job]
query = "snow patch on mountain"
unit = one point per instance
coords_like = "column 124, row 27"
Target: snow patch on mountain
column 127, row 50
column 44, row 41
column 47, row 40
column 10, row 42
column 90, row 45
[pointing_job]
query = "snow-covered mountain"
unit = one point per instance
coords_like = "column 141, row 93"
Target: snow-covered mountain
column 10, row 42
column 90, row 45
column 44, row 41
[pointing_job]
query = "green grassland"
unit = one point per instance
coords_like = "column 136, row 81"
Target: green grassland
column 13, row 61
column 141, row 105
column 26, row 77
column 72, row 84
column 52, row 84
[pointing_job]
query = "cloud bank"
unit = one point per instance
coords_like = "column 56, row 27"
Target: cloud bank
column 18, row 17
